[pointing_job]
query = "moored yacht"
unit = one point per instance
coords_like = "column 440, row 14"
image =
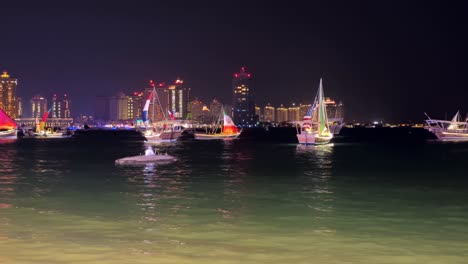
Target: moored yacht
column 449, row 130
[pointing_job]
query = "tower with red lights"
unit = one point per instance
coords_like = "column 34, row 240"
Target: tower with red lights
column 243, row 103
column 174, row 101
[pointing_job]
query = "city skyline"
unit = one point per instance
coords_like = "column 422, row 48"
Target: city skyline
column 384, row 61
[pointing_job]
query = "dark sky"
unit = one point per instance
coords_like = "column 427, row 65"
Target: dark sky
column 383, row 59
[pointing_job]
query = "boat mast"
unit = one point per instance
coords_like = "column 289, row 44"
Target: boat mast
column 323, row 120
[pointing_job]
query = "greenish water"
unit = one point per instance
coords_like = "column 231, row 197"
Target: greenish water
column 63, row 201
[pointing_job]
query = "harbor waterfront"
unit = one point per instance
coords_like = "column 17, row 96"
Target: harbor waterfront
column 239, row 201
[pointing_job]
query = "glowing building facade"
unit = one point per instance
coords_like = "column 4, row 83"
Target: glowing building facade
column 38, row 106
column 60, row 106
column 269, row 113
column 243, row 99
column 8, row 99
column 294, row 113
column 174, row 99
column 281, row 114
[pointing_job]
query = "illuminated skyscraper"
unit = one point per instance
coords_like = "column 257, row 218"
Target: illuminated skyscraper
column 269, row 114
column 243, row 99
column 65, row 107
column 56, row 107
column 293, row 113
column 197, row 110
column 118, row 107
column 19, row 106
column 8, row 95
column 281, row 114
column 215, row 108
column 334, row 110
column 137, row 102
column 38, row 106
column 258, row 113
column 60, row 106
column 130, row 110
column 173, row 98
column 303, row 108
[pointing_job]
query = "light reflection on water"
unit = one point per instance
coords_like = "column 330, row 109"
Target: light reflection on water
column 224, row 202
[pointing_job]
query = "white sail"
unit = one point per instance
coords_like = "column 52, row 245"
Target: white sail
column 315, row 128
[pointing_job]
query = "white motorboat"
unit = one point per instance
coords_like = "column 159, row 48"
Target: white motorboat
column 50, row 134
column 149, row 157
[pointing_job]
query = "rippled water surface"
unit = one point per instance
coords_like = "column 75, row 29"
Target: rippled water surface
column 63, row 201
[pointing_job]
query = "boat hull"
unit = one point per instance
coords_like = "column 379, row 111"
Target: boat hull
column 144, row 159
column 8, row 134
column 51, row 135
column 216, row 136
column 313, row 139
column 170, row 136
column 451, row 136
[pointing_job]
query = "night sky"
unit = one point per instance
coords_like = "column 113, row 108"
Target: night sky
column 389, row 61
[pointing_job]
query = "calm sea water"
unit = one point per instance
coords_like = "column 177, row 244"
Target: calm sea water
column 63, row 201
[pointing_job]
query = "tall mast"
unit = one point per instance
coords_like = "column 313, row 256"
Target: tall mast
column 322, row 112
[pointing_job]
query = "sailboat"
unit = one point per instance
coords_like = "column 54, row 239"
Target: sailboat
column 229, row 130
column 449, row 130
column 47, row 133
column 315, row 129
column 7, row 126
column 149, row 132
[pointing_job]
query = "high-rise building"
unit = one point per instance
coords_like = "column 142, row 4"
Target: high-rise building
column 197, row 110
column 38, row 106
column 65, row 108
column 215, row 108
column 19, row 106
column 56, row 107
column 130, row 111
column 118, row 107
column 258, row 113
column 334, row 110
column 281, row 114
column 137, row 102
column 269, row 113
column 206, row 116
column 8, row 95
column 60, row 106
column 243, row 99
column 303, row 108
column 173, row 98
column 293, row 113
column 339, row 110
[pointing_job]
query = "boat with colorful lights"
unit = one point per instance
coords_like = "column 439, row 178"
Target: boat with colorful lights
column 7, row 126
column 228, row 129
column 42, row 132
column 314, row 129
column 449, row 130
